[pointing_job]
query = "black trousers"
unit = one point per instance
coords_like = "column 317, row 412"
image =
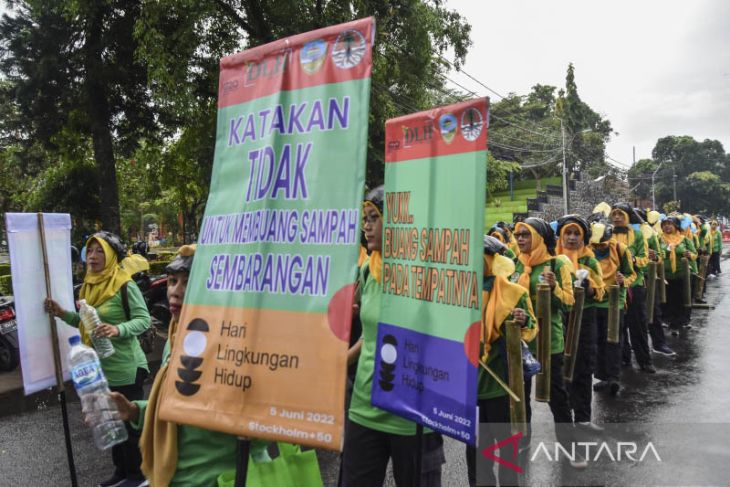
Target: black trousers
column 638, row 326
column 714, row 266
column 674, row 311
column 608, row 355
column 126, row 456
column 580, row 390
column 559, row 402
column 656, row 330
column 367, row 452
column 496, row 412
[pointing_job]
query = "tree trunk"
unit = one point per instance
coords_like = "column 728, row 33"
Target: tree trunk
column 100, row 123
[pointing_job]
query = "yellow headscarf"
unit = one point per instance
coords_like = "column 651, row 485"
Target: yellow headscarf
column 673, row 240
column 595, row 279
column 376, row 259
column 500, row 301
column 158, row 442
column 99, row 287
column 537, row 255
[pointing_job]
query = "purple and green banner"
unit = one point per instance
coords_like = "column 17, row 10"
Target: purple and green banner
column 429, row 329
column 261, row 347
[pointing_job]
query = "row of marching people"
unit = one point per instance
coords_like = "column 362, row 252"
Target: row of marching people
column 564, row 302
column 587, row 293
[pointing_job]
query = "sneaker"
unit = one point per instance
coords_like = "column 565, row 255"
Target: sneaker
column 601, row 386
column 700, row 301
column 589, row 426
column 663, row 349
column 648, row 368
column 688, row 326
column 613, row 388
column 579, row 462
column 675, row 333
column 115, row 480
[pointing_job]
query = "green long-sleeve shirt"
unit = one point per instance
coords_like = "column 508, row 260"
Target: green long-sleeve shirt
column 717, row 242
column 639, row 250
column 202, row 455
column 121, row 367
column 616, row 257
column 488, row 388
column 562, row 298
column 685, row 245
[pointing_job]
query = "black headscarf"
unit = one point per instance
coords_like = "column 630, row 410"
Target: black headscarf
column 578, row 220
column 544, row 230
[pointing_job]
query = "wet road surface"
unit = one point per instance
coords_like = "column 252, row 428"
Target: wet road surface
column 691, row 388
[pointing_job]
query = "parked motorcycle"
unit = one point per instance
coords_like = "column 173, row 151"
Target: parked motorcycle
column 9, row 349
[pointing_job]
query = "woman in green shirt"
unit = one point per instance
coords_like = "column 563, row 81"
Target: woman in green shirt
column 502, row 301
column 175, row 454
column 374, row 436
column 123, row 313
column 675, row 246
column 537, row 264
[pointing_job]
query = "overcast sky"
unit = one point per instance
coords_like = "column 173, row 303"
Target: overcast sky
column 653, row 68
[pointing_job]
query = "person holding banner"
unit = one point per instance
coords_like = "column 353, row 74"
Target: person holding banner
column 675, row 246
column 123, row 313
column 573, row 241
column 538, row 264
column 618, row 270
column 374, row 436
column 502, row 301
column 174, row 454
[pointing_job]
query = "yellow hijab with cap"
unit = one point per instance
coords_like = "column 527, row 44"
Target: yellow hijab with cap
column 594, row 278
column 99, row 287
column 158, row 442
column 538, row 254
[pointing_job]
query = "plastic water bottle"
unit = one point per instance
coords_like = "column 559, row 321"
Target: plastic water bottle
column 91, row 321
column 100, row 410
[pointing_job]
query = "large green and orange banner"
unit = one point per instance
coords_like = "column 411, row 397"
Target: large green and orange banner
column 262, row 342
column 429, row 328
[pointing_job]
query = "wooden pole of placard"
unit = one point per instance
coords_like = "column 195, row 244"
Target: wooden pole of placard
column 57, row 357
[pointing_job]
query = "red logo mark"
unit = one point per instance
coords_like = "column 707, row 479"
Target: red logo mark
column 489, row 452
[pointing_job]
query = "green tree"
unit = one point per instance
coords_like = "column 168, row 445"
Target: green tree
column 74, row 75
column 692, row 162
column 182, row 42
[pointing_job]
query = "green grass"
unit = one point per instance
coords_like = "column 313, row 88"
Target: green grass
column 522, row 191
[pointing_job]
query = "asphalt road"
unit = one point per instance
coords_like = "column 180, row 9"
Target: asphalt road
column 688, row 395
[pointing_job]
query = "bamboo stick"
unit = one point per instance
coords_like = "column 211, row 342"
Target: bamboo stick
column 686, row 283
column 700, row 290
column 544, row 338
column 572, row 340
column 613, row 313
column 517, row 413
column 651, row 272
column 662, row 284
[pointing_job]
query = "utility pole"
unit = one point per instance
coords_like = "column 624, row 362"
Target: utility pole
column 653, row 197
column 566, row 206
column 674, row 180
